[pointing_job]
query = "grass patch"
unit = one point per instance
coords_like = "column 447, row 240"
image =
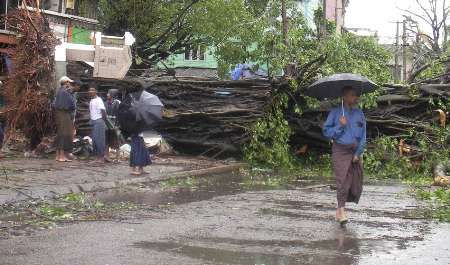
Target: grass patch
column 260, row 178
column 191, row 183
column 438, row 203
column 314, row 165
column 5, row 171
column 72, row 207
column 265, row 180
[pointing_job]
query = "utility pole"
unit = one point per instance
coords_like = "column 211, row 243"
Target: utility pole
column 404, row 50
column 6, row 14
column 285, row 23
column 289, row 68
column 324, row 22
column 396, row 68
column 338, row 16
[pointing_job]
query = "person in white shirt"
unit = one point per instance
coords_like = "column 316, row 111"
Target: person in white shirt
column 97, row 112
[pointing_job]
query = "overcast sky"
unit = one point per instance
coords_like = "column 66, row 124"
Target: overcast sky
column 378, row 15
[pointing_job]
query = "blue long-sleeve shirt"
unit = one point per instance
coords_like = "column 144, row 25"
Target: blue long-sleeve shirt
column 64, row 100
column 353, row 133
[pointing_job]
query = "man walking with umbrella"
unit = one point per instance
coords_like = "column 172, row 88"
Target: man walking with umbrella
column 346, row 128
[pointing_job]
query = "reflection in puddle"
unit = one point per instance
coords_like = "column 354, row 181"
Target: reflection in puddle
column 219, row 256
column 198, row 189
column 342, row 251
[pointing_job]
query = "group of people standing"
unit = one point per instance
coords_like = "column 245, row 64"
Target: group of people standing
column 103, row 137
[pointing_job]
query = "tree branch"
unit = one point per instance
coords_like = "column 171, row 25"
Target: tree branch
column 416, row 15
column 174, row 23
column 424, row 9
column 424, row 67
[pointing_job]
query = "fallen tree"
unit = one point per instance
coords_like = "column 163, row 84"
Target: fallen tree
column 214, row 118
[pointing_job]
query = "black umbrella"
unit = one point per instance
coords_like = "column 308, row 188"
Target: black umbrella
column 139, row 111
column 148, row 108
column 331, row 86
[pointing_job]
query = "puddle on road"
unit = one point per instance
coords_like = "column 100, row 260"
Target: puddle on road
column 218, row 256
column 368, row 239
column 345, row 247
column 179, row 191
column 345, row 250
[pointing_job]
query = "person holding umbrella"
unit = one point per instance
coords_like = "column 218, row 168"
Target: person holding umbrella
column 346, row 128
column 138, row 112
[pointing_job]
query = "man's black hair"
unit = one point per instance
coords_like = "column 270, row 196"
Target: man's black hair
column 347, row 89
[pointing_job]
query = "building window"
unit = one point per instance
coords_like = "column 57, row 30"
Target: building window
column 52, row 5
column 6, row 6
column 196, row 53
column 70, row 4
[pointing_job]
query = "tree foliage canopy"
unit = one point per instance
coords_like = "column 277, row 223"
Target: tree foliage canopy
column 165, row 27
column 241, row 31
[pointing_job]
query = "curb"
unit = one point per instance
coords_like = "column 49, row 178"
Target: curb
column 96, row 186
column 178, row 175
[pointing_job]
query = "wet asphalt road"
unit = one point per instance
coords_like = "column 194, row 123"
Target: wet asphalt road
column 225, row 224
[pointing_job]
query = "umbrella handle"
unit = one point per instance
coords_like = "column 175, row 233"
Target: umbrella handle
column 342, row 107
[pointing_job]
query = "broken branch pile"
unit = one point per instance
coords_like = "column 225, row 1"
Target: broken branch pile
column 27, row 89
column 209, row 118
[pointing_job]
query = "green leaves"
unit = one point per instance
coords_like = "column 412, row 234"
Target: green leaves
column 269, row 145
column 164, row 27
column 438, row 203
column 55, row 213
column 349, row 53
column 240, row 31
column 160, row 27
column 383, row 161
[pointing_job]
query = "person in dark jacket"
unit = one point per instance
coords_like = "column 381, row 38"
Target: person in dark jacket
column 112, row 133
column 64, row 106
column 112, row 104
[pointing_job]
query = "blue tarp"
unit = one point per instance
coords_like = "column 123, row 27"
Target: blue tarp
column 244, row 71
column 236, row 74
